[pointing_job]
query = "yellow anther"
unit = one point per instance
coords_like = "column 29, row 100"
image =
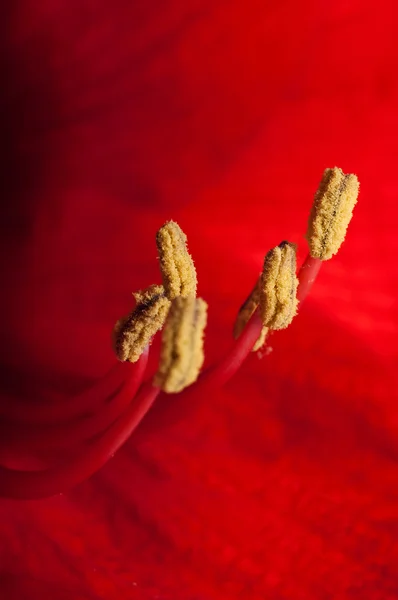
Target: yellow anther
column 331, row 213
column 176, row 264
column 147, row 295
column 182, row 353
column 133, row 333
column 278, row 287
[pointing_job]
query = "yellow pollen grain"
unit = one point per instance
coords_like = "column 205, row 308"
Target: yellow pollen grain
column 278, row 299
column 331, row 213
column 133, row 333
column 182, row 355
column 261, row 340
column 176, row 264
column 148, row 294
column 245, row 313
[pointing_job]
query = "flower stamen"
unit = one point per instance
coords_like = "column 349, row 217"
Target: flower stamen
column 133, row 333
column 176, row 264
column 278, row 287
column 182, row 344
column 272, row 304
column 331, row 213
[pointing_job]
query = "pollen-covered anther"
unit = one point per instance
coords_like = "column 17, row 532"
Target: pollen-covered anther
column 182, row 355
column 246, row 312
column 331, row 213
column 133, row 333
column 278, row 289
column 176, row 264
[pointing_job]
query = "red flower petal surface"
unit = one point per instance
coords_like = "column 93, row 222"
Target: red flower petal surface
column 221, row 115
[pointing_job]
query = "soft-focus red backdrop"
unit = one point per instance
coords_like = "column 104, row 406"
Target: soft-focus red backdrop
column 221, row 114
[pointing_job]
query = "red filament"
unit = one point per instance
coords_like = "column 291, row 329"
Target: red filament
column 39, row 484
column 104, row 416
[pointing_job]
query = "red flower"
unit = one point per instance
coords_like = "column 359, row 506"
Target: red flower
column 221, row 115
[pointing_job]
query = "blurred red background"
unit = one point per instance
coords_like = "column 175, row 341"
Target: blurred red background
column 221, row 115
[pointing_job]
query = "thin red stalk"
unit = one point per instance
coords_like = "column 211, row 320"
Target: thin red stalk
column 42, row 411
column 308, row 273
column 220, row 373
column 72, row 432
column 26, row 485
column 37, row 484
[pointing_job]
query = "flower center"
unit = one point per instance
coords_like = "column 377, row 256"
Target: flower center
column 100, row 420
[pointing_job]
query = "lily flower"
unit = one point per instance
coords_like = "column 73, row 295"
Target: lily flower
column 188, row 466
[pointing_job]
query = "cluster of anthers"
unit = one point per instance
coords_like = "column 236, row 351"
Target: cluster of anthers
column 102, row 418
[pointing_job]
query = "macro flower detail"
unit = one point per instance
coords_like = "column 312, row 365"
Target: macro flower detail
column 176, row 264
column 275, row 296
column 278, row 291
column 278, row 287
column 182, row 344
column 331, row 213
column 133, row 333
column 275, row 292
column 282, row 483
column 182, row 353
